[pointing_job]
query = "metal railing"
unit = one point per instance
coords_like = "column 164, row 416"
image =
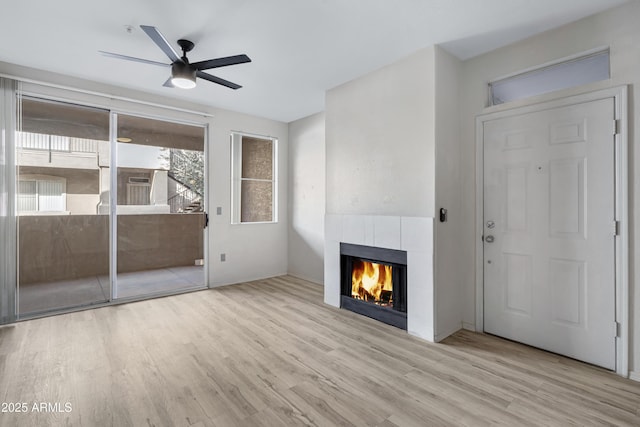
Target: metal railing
column 187, row 174
column 185, row 201
column 55, row 143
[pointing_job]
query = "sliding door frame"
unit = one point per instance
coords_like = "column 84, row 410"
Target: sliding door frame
column 123, row 106
column 9, row 104
column 113, row 206
column 113, row 202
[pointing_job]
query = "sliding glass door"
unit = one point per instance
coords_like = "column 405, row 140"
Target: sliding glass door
column 89, row 233
column 63, row 235
column 160, row 206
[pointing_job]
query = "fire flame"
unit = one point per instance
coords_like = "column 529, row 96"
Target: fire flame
column 372, row 282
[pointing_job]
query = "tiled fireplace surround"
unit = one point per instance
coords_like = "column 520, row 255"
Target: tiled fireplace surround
column 411, row 234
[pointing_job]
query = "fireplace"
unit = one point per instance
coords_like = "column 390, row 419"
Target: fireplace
column 373, row 282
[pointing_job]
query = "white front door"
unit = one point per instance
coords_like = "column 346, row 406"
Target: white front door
column 549, row 230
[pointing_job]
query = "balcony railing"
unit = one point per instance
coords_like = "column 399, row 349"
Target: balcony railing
column 55, row 143
column 185, row 200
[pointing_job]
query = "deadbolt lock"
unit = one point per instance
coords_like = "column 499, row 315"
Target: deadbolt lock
column 491, row 224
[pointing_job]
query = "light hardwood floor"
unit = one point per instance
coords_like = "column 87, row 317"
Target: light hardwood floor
column 270, row 353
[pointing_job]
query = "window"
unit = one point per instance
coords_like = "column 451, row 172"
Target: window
column 253, row 172
column 138, row 193
column 561, row 75
column 41, row 195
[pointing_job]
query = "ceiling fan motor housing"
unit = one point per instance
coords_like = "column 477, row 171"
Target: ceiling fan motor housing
column 181, row 72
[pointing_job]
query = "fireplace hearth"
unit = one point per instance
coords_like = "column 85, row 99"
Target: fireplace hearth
column 374, row 282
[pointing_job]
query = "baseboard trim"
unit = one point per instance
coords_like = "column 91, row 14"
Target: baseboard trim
column 308, row 279
column 634, row 375
column 439, row 337
column 469, row 326
column 238, row 280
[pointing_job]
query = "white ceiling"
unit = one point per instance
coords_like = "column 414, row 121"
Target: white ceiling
column 299, row 48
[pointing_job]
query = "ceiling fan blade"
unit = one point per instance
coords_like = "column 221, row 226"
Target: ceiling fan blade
column 131, row 58
column 218, row 80
column 162, row 43
column 168, row 83
column 221, row 62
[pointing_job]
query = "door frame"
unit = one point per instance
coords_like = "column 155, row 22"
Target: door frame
column 122, row 106
column 114, row 114
column 619, row 95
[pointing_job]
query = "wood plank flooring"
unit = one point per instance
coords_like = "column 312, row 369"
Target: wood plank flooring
column 270, row 353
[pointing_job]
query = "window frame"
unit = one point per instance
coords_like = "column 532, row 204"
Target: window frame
column 237, row 179
column 584, row 68
column 39, row 180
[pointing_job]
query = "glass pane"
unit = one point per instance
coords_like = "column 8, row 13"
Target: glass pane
column 51, row 196
column 256, row 201
column 160, row 212
column 580, row 71
column 257, row 158
column 63, row 240
column 27, row 196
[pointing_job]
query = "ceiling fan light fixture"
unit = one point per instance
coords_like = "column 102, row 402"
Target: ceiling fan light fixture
column 183, row 76
column 183, row 73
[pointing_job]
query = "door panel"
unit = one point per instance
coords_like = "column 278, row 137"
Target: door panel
column 517, row 283
column 160, row 193
column 567, row 198
column 63, row 237
column 549, row 271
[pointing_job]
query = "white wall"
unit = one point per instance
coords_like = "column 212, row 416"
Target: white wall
column 380, row 141
column 447, row 245
column 616, row 28
column 142, row 156
column 253, row 251
column 307, row 197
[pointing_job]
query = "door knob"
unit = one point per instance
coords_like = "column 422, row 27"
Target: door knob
column 489, row 239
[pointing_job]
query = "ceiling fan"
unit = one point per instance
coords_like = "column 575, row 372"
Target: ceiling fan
column 183, row 72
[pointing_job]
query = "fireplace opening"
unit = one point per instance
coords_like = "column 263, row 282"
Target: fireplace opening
column 374, row 282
